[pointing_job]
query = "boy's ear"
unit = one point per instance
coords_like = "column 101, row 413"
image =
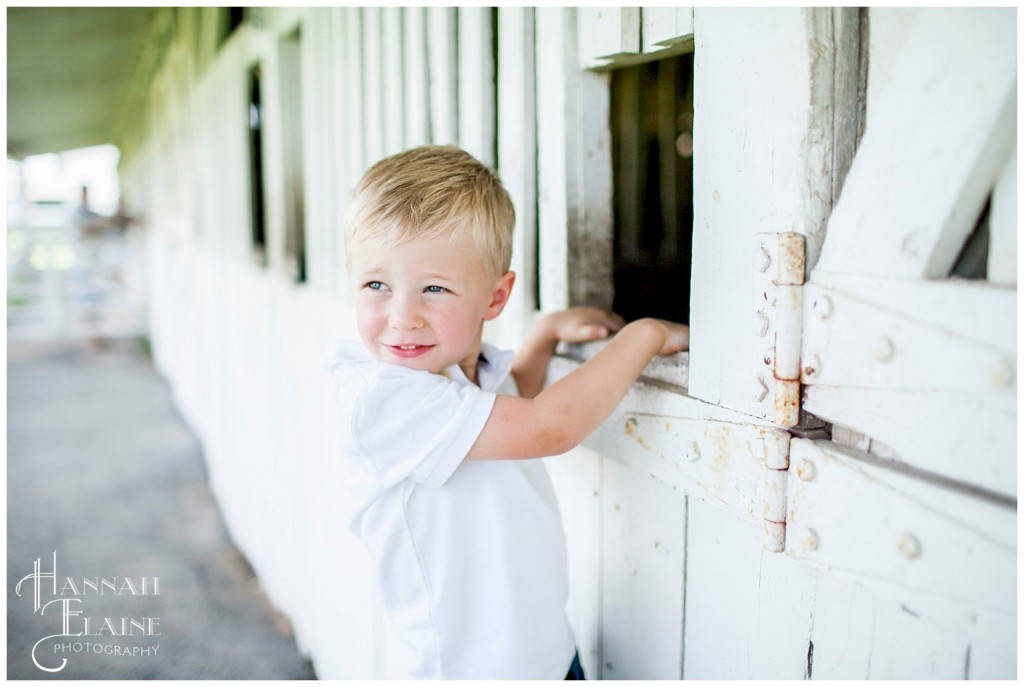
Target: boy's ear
column 500, row 294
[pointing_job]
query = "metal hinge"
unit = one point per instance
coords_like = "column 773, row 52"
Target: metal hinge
column 772, row 451
column 779, row 276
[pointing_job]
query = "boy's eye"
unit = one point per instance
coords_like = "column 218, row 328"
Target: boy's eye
column 435, row 289
column 375, row 285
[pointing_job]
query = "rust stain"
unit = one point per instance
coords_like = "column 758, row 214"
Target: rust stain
column 791, row 258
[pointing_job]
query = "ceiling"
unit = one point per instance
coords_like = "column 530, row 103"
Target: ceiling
column 68, row 74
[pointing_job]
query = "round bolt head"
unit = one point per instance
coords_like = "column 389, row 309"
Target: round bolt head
column 810, row 539
column 882, row 349
column 805, row 470
column 823, row 306
column 910, row 546
column 812, row 367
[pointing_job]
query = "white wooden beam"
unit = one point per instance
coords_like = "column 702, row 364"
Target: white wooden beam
column 906, row 337
column 946, row 553
column 970, row 438
column 939, row 133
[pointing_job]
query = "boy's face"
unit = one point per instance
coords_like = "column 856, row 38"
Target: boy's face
column 422, row 304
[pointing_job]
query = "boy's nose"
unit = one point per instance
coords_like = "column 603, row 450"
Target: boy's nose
column 405, row 314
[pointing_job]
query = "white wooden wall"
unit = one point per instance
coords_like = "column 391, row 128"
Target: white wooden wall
column 898, row 535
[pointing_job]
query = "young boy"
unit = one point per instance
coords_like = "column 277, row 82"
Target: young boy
column 465, row 534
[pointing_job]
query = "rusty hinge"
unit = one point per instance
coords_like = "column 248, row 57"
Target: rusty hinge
column 779, row 269
column 772, row 451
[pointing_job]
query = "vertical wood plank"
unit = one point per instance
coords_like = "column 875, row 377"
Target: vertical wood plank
column 748, row 178
column 373, row 84
column 417, row 105
column 607, row 32
column 1002, row 247
column 842, row 630
column 476, row 94
column 392, row 50
column 441, row 62
column 748, row 611
column 574, row 169
column 517, row 160
column 341, row 149
column 905, row 647
column 591, row 237
column 355, row 149
column 643, row 552
column 557, row 183
column 320, row 138
column 986, row 662
column 576, row 477
column 662, row 27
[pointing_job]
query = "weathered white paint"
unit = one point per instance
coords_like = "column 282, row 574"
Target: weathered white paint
column 662, row 27
column 241, row 346
column 900, row 534
column 759, row 119
column 893, row 344
column 517, row 164
column 607, row 32
column 940, row 134
column 644, row 547
column 557, row 177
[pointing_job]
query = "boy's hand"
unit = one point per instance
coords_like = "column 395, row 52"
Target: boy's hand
column 677, row 336
column 582, row 323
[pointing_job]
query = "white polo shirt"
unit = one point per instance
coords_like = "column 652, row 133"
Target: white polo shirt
column 470, row 555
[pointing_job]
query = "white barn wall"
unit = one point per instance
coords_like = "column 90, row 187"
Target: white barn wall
column 663, row 507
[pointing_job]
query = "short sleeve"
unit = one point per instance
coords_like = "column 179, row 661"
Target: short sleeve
column 415, row 425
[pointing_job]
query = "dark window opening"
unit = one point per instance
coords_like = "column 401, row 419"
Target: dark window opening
column 294, row 182
column 652, row 162
column 257, row 215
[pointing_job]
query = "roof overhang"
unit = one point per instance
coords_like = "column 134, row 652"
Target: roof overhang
column 69, row 74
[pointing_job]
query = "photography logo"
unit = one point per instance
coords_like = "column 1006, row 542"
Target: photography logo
column 62, row 599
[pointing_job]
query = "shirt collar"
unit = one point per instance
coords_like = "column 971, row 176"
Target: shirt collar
column 492, row 369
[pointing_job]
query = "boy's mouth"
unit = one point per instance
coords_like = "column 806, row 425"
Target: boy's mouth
column 408, row 350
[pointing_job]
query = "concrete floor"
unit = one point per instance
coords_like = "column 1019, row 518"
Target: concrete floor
column 102, row 471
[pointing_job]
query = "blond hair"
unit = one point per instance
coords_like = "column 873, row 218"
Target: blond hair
column 434, row 191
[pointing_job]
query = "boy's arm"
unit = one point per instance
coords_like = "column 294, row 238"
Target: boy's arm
column 564, row 414
column 574, row 325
